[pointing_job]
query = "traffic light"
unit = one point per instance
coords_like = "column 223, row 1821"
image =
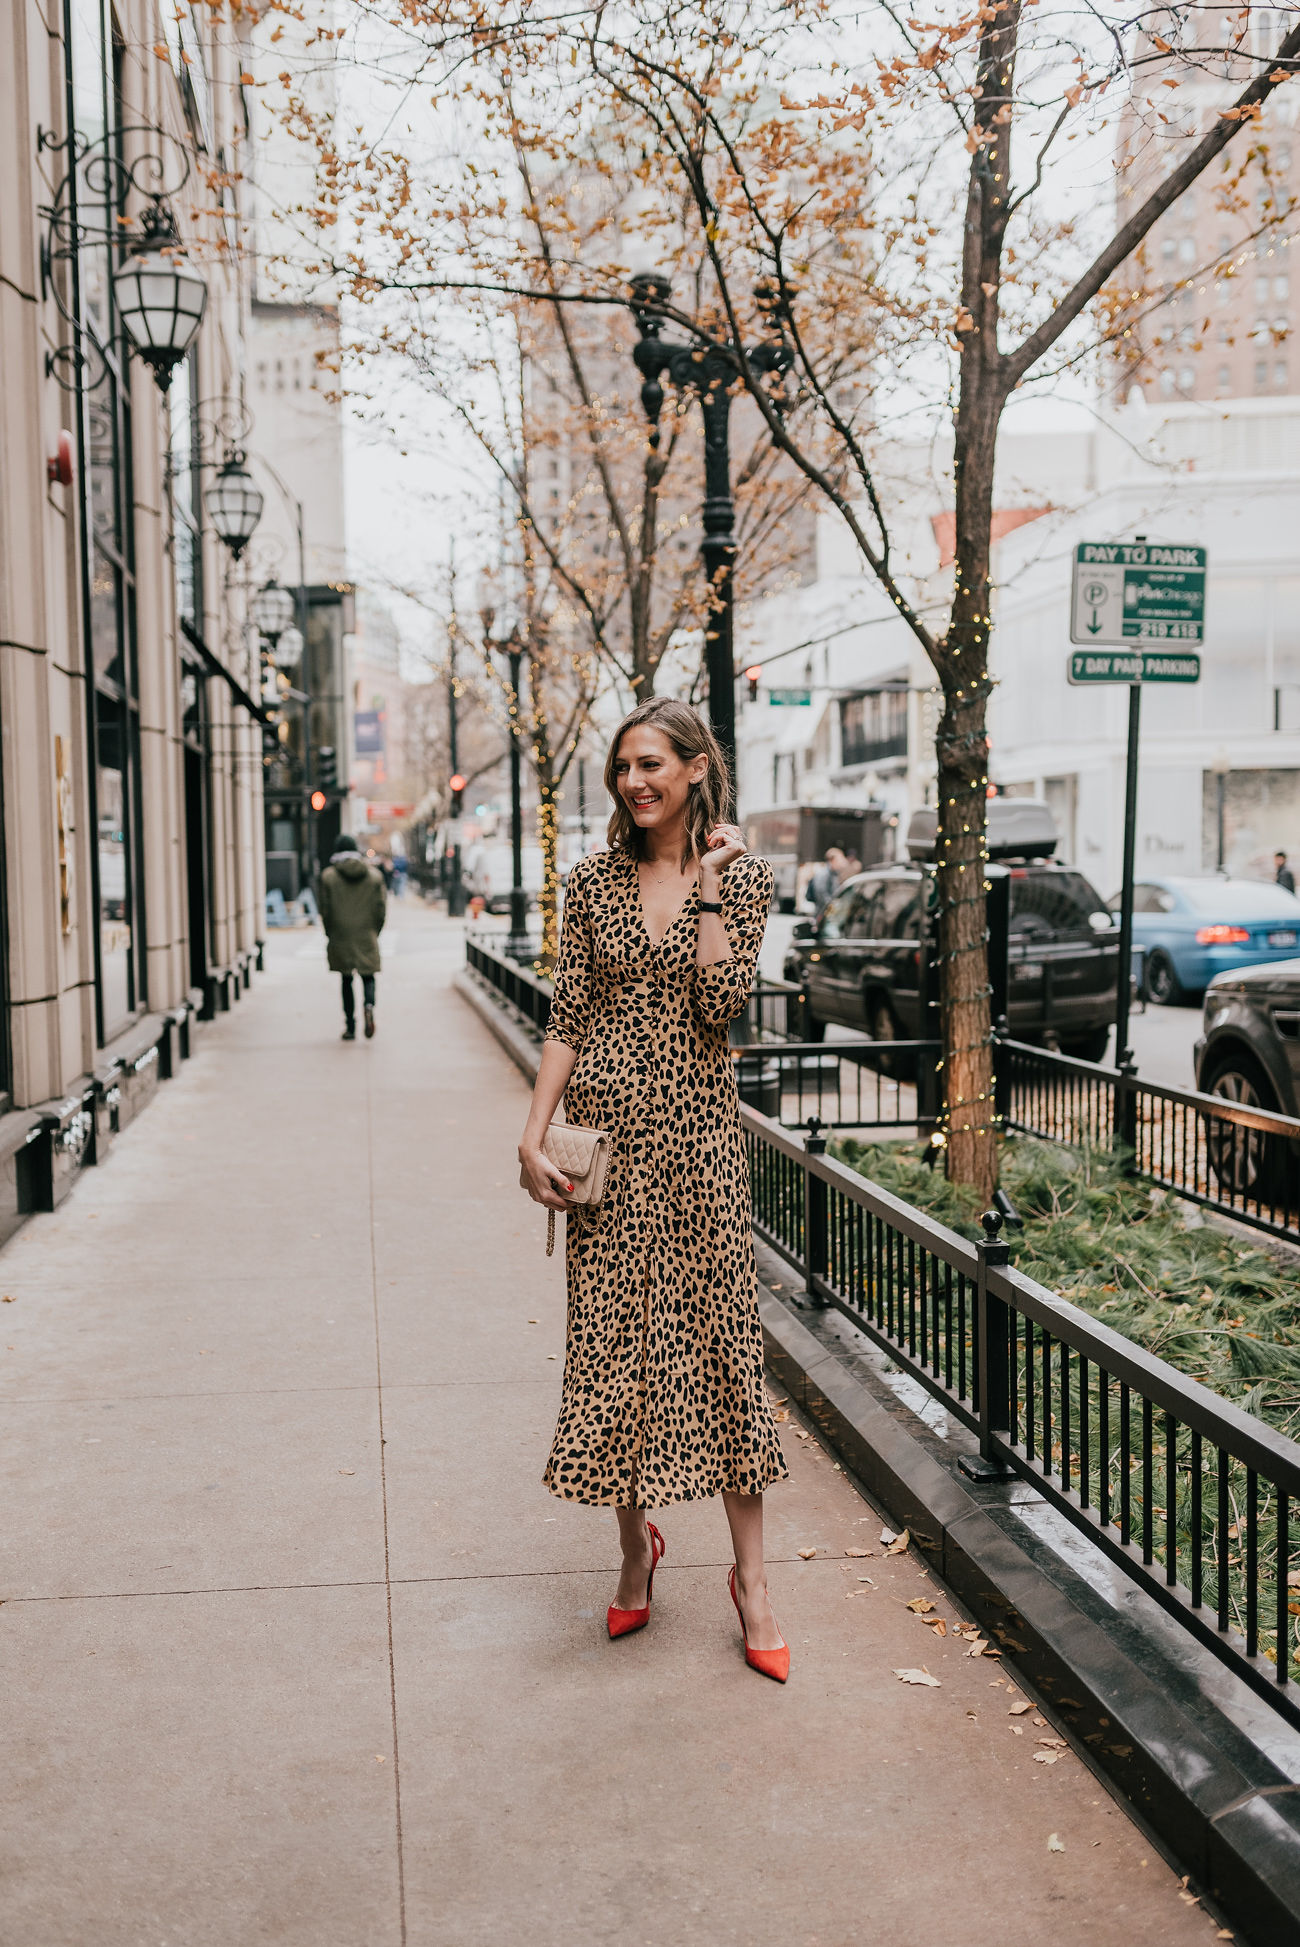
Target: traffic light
column 318, row 801
column 327, row 769
column 456, row 785
column 751, row 677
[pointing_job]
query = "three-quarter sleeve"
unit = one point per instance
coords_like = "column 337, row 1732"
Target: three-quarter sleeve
column 571, row 994
column 722, row 989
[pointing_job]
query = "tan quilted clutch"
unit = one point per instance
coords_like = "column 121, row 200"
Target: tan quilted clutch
column 583, row 1155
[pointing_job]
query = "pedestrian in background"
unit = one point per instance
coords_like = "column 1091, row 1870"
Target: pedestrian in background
column 825, row 877
column 663, row 1376
column 1283, row 875
column 352, row 907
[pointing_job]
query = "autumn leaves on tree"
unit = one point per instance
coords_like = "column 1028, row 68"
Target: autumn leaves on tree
column 925, row 209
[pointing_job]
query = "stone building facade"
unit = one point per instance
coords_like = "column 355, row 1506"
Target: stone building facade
column 131, row 744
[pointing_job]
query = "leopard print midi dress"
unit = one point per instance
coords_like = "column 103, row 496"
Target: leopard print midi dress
column 663, row 1376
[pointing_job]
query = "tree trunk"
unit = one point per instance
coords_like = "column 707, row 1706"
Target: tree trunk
column 962, row 749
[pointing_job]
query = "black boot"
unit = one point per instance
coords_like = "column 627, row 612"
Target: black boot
column 350, row 1028
column 370, row 1023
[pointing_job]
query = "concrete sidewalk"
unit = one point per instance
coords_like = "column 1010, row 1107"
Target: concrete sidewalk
column 288, row 1654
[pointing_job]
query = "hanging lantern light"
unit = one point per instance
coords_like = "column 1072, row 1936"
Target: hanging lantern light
column 271, row 611
column 234, row 503
column 288, row 651
column 160, row 299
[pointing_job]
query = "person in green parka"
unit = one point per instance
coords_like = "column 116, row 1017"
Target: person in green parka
column 352, row 908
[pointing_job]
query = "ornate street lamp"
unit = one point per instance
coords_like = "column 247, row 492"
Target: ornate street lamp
column 233, row 502
column 271, row 611
column 288, row 650
column 711, row 370
column 159, row 298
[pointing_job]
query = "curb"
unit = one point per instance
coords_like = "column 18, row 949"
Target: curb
column 1159, row 1720
column 1152, row 1716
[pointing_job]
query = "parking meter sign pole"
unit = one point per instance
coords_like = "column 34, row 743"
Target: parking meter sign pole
column 1123, row 1053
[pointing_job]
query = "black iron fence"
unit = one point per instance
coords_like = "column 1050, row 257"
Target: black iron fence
column 1244, row 1162
column 517, row 984
column 1239, row 1160
column 1187, row 1494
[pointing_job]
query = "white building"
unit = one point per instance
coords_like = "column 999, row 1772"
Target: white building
column 1225, row 476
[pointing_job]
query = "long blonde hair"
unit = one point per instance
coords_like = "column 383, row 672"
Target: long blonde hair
column 707, row 802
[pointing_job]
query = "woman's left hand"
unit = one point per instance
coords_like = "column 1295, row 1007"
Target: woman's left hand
column 726, row 844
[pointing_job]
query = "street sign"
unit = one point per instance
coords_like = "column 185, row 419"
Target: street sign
column 1129, row 666
column 1137, row 591
column 780, row 697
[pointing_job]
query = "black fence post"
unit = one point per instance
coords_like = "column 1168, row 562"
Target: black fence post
column 994, row 1352
column 1126, row 1112
column 1001, row 1072
column 816, row 1254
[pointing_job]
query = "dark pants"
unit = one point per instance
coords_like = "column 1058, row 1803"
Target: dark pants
column 349, row 997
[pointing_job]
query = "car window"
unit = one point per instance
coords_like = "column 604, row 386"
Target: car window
column 858, row 925
column 838, row 915
column 1052, row 905
column 1146, row 899
column 896, row 914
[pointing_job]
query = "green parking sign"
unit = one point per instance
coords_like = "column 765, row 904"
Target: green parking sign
column 1128, row 666
column 1127, row 593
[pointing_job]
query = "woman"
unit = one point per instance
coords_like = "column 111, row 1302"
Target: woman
column 663, row 1377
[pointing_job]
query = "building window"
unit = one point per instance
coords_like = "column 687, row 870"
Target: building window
column 1187, row 249
column 1279, row 376
column 1282, row 286
column 1224, row 382
column 1261, row 375
column 1187, row 378
column 108, row 568
column 1166, row 384
column 184, row 472
column 873, row 726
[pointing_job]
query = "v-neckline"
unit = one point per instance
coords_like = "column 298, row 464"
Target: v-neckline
column 655, row 944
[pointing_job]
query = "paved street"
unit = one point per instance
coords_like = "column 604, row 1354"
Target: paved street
column 287, row 1654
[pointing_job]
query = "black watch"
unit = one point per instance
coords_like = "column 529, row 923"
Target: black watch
column 707, row 906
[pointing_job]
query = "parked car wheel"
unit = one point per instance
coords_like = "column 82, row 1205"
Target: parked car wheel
column 1161, row 981
column 1088, row 1047
column 1245, row 1161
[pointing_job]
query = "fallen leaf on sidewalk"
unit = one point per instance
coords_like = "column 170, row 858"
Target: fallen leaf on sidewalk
column 1018, row 1710
column 552, row 1355
column 979, row 1648
column 1046, row 1757
column 8, row 1300
column 886, row 1536
column 1053, row 1743
column 899, row 1545
column 781, row 1417
column 921, row 1605
column 806, row 1554
column 859, row 1554
column 919, row 1676
column 347, row 1470
column 1054, row 1843
column 1016, row 1730
column 937, row 1624
column 534, row 1321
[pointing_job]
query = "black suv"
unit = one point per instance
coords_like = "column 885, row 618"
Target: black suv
column 860, row 962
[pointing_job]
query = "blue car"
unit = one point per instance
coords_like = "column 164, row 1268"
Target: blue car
column 1192, row 929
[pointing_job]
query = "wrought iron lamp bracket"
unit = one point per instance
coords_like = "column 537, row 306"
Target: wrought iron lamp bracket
column 106, row 179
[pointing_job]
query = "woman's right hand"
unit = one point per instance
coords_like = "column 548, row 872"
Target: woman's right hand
column 546, row 1183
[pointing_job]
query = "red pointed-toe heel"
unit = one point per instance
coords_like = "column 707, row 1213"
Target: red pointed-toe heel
column 768, row 1663
column 621, row 1622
